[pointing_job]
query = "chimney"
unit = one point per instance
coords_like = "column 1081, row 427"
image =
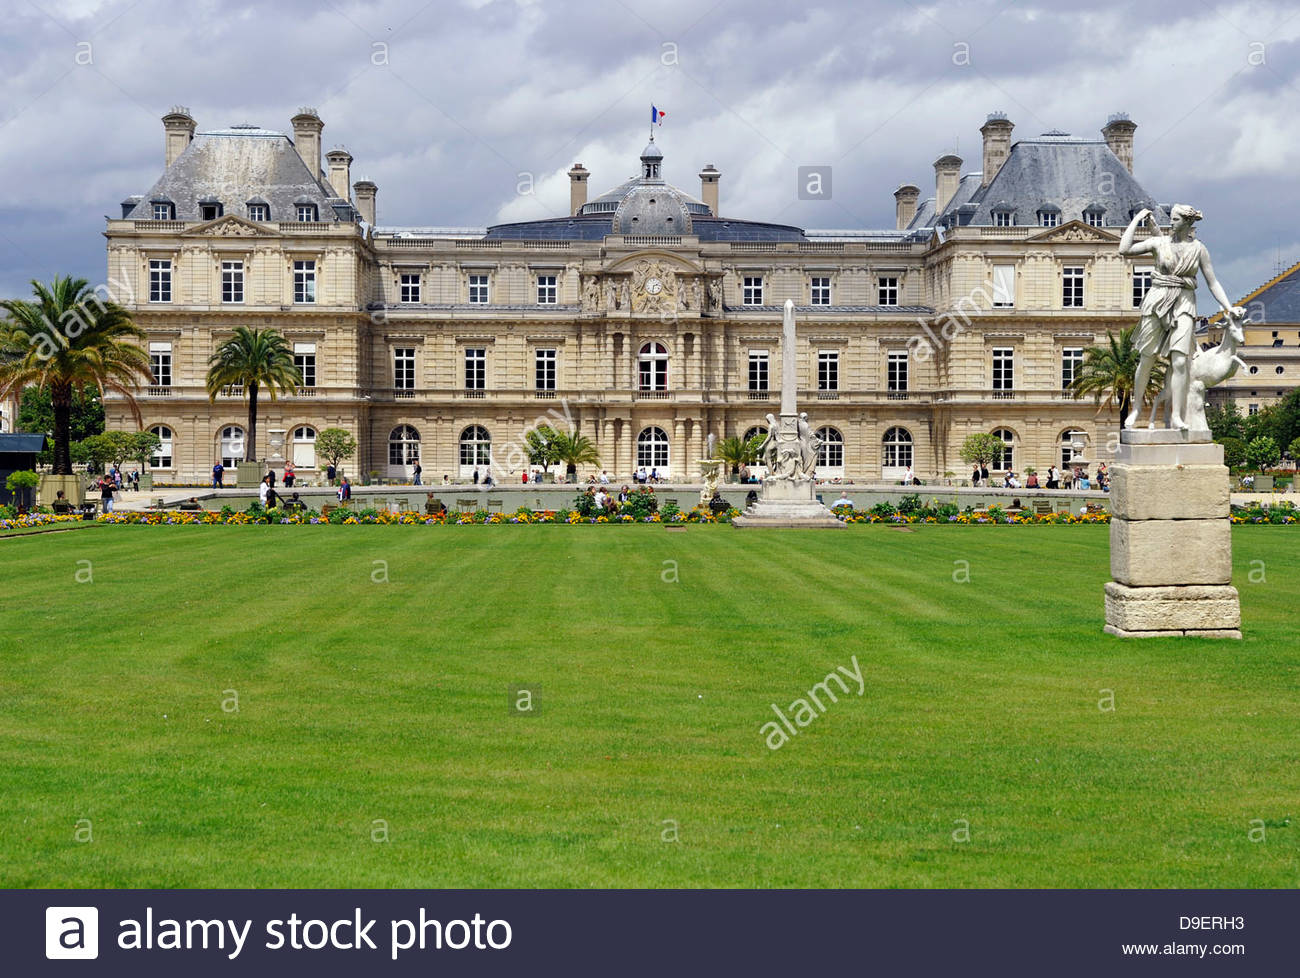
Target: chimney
column 1119, row 137
column 306, row 139
column 179, row 126
column 905, row 198
column 366, row 191
column 947, row 174
column 340, row 163
column 577, row 187
column 997, row 144
column 709, row 177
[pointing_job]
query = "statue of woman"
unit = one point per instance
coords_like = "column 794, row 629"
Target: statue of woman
column 1167, row 327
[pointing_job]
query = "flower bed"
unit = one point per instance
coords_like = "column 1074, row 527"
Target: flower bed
column 30, row 521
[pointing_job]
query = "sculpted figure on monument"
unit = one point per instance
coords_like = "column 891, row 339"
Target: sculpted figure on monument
column 808, row 445
column 767, row 450
column 1167, row 326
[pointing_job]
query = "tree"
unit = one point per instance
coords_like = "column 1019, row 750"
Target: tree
column 1281, row 420
column 1262, row 453
column 541, row 444
column 573, row 450
column 1234, row 451
column 21, row 485
column 735, row 452
column 142, row 446
column 36, row 413
column 335, row 444
column 253, row 359
column 111, row 446
column 982, row 447
column 1109, row 373
column 1293, row 450
column 1226, row 421
column 70, row 341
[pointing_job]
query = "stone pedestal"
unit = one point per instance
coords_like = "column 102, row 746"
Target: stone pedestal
column 1170, row 542
column 788, row 503
column 249, row 475
column 73, row 486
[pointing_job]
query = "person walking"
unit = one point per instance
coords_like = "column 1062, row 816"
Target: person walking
column 218, row 472
column 106, row 493
column 344, row 490
column 975, row 475
column 418, row 470
column 289, row 475
column 330, row 473
column 263, row 490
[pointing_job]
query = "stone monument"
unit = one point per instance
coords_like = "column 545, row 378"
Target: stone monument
column 789, row 452
column 1170, row 539
column 710, row 472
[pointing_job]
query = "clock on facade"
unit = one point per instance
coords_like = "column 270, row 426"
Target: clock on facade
column 653, row 286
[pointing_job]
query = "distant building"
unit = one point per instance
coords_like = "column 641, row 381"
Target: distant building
column 647, row 316
column 1272, row 348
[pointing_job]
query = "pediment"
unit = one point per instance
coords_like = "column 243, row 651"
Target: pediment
column 664, row 260
column 1073, row 231
column 229, row 226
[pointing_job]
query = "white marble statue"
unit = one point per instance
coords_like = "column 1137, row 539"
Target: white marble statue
column 1209, row 367
column 1168, row 323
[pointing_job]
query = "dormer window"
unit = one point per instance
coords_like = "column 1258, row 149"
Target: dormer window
column 163, row 209
column 210, row 209
column 259, row 210
column 1093, row 217
column 1049, row 216
column 1003, row 219
column 306, row 213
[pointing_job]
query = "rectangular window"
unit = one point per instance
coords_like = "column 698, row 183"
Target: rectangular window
column 1049, row 219
column 821, row 290
column 887, row 288
column 1072, row 287
column 1093, row 218
column 409, row 287
column 1071, row 364
column 1002, row 219
column 758, row 362
column 1141, row 285
column 896, row 367
column 304, row 358
column 1004, row 286
column 828, row 370
column 1003, row 368
column 478, row 289
column 475, row 368
column 304, row 281
column 1252, row 409
column 162, row 212
column 544, row 362
column 258, row 212
column 306, row 212
column 752, row 290
column 160, row 280
column 232, row 281
column 404, row 368
column 160, row 364
column 547, row 293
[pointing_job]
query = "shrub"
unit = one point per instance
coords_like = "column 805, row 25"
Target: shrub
column 585, row 504
column 883, row 510
column 1263, row 453
column 1234, row 451
column 910, row 504
column 640, row 503
column 1293, row 450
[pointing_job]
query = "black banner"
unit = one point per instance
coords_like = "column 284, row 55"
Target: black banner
column 639, row 932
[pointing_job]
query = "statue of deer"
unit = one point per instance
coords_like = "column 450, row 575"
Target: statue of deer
column 1209, row 367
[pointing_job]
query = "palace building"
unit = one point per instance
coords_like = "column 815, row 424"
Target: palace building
column 648, row 317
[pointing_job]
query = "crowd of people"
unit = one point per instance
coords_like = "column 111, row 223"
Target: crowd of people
column 1075, row 477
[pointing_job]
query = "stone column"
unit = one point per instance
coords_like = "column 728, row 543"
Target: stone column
column 1170, row 538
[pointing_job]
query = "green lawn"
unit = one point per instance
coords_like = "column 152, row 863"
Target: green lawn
column 363, row 700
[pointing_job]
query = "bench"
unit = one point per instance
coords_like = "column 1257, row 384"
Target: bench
column 467, row 505
column 1042, row 506
column 494, row 505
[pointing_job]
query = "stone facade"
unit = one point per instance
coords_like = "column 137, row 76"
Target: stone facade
column 446, row 345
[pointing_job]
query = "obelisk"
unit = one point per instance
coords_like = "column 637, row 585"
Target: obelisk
column 788, row 498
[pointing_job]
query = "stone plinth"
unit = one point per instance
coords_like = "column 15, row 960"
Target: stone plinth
column 249, row 474
column 788, row 504
column 1170, row 538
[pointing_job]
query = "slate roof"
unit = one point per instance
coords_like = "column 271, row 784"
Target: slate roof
column 1052, row 170
column 235, row 165
column 1276, row 301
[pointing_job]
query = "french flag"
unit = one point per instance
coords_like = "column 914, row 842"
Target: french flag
column 656, row 117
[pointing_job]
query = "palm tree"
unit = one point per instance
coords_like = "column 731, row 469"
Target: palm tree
column 1108, row 373
column 574, row 450
column 70, row 340
column 253, row 359
column 735, row 451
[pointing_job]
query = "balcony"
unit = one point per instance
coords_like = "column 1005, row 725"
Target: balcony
column 652, row 395
column 475, row 392
column 231, row 390
column 305, row 392
column 544, row 395
column 760, row 395
column 158, row 390
column 828, row 395
column 896, row 395
column 1004, row 395
column 404, row 393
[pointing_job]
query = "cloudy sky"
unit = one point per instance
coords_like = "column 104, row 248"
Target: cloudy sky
column 453, row 107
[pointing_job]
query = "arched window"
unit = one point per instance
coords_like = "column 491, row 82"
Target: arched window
column 232, row 445
column 162, row 458
column 653, row 360
column 475, row 448
column 304, row 447
column 830, row 453
column 1005, row 460
column 1068, row 451
column 403, row 446
column 758, row 431
column 897, row 448
column 652, row 450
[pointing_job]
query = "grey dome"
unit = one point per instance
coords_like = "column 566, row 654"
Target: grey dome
column 646, row 204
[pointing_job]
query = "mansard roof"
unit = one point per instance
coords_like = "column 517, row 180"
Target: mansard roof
column 234, row 166
column 1054, row 170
